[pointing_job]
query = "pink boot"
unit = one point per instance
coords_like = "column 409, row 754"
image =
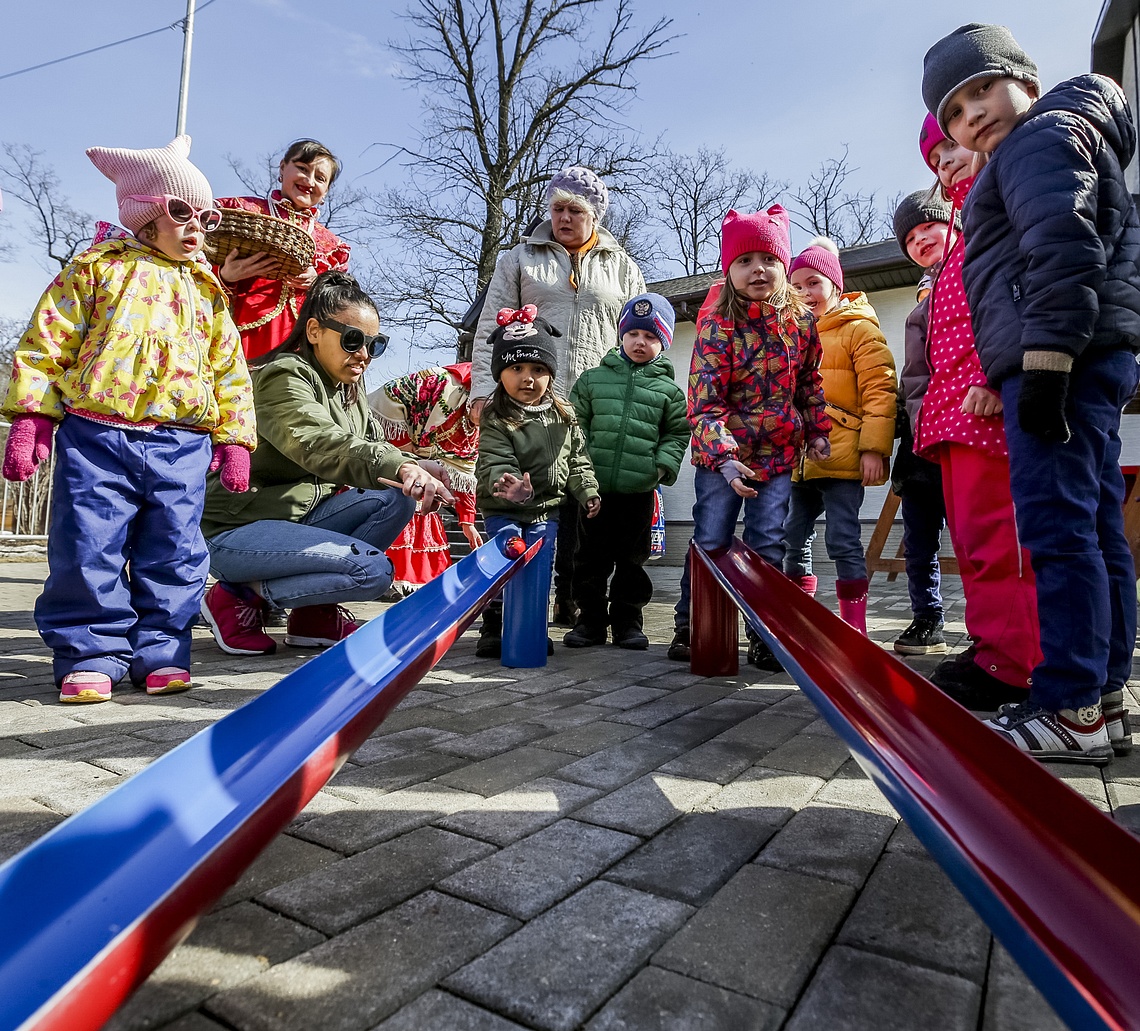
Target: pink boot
column 807, row 584
column 853, row 603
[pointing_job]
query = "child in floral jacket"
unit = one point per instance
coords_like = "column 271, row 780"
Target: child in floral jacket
column 755, row 402
column 133, row 356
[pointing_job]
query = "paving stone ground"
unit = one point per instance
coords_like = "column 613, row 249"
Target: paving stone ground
column 609, row 843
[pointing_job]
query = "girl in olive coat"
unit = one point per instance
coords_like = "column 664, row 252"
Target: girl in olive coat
column 633, row 415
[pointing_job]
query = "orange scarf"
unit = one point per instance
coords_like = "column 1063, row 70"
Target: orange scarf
column 576, row 259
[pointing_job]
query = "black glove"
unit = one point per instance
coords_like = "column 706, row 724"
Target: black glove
column 1041, row 405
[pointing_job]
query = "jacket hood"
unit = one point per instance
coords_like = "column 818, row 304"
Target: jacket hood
column 852, row 308
column 1098, row 100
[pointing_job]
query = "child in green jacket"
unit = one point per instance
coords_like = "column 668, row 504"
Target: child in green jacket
column 531, row 451
column 632, row 413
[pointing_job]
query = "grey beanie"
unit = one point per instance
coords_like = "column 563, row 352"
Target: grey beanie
column 974, row 51
column 921, row 207
column 586, row 184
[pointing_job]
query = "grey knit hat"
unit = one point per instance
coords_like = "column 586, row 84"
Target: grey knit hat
column 584, row 183
column 917, row 209
column 974, row 51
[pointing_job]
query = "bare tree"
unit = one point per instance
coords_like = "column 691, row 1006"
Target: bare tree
column 691, row 194
column 828, row 209
column 54, row 224
column 511, row 89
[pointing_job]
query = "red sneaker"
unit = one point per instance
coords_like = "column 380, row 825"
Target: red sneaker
column 319, row 626
column 234, row 615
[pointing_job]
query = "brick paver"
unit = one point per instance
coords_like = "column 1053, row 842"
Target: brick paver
column 608, row 843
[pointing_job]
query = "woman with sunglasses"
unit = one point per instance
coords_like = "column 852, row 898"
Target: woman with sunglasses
column 133, row 359
column 313, row 529
column 266, row 310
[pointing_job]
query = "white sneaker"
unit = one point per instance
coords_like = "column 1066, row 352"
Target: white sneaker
column 1070, row 735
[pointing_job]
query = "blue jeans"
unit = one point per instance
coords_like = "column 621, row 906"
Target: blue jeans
column 842, row 533
column 923, row 517
column 715, row 512
column 335, row 554
column 127, row 563
column 1068, row 499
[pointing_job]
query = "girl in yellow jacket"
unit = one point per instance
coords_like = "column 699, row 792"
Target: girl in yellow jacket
column 133, row 360
column 859, row 387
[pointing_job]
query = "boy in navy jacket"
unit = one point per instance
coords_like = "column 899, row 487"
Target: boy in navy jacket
column 1052, row 278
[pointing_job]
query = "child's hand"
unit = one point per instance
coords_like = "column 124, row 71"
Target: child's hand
column 233, row 461
column 738, row 474
column 29, row 443
column 593, row 507
column 872, row 466
column 981, row 401
column 511, row 488
column 471, row 534
column 819, row 449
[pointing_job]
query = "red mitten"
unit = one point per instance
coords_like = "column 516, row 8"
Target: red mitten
column 29, row 443
column 233, row 460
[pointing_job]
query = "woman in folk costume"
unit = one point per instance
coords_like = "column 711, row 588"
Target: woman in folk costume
column 266, row 310
column 425, row 414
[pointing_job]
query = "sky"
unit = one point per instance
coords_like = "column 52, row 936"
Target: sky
column 780, row 86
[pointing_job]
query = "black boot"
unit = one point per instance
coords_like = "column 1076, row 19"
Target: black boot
column 490, row 644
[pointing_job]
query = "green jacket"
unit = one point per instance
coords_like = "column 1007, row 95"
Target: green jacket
column 552, row 451
column 308, row 446
column 634, row 420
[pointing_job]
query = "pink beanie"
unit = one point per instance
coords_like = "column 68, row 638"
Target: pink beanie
column 929, row 136
column 151, row 173
column 822, row 255
column 762, row 231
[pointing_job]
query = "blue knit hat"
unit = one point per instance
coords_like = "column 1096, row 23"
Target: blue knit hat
column 651, row 312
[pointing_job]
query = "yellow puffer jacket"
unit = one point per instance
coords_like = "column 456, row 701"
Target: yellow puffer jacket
column 126, row 332
column 860, row 388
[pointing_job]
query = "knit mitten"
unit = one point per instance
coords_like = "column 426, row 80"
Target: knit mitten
column 233, row 461
column 29, row 443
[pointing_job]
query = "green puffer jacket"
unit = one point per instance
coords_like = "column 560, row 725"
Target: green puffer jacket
column 551, row 450
column 308, row 446
column 634, row 420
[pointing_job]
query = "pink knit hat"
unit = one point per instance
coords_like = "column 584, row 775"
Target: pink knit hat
column 762, row 231
column 822, row 255
column 929, row 136
column 152, row 173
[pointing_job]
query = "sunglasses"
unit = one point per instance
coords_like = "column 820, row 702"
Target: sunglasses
column 181, row 211
column 353, row 339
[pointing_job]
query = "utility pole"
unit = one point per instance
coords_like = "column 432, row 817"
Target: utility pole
column 184, row 85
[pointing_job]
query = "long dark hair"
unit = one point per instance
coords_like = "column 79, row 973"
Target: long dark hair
column 331, row 294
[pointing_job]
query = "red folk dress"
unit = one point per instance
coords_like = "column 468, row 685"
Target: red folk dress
column 425, row 414
column 266, row 310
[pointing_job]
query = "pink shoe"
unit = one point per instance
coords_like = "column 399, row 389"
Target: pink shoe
column 85, row 686
column 319, row 626
column 235, row 617
column 168, row 680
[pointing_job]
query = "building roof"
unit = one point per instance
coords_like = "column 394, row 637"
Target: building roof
column 868, row 267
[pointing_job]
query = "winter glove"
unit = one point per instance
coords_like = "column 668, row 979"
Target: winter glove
column 29, row 443
column 1041, row 400
column 233, row 461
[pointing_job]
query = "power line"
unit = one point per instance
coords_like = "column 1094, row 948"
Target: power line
column 105, row 46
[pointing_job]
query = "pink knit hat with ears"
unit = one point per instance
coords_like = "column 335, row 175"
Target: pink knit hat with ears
column 822, row 255
column 152, row 173
column 766, row 231
column 929, row 136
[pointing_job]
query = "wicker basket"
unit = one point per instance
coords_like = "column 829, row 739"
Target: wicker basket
column 252, row 233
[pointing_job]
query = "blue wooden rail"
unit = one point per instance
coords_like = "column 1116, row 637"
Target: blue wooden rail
column 89, row 910
column 1056, row 880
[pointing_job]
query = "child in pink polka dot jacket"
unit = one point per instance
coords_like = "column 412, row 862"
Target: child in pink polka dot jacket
column 960, row 426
